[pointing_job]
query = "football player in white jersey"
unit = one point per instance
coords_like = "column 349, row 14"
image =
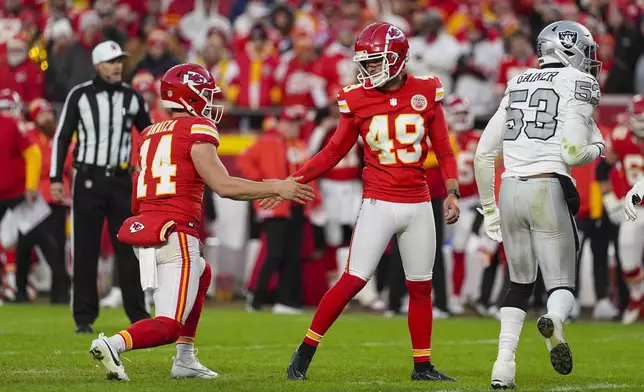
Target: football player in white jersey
column 633, row 198
column 543, row 126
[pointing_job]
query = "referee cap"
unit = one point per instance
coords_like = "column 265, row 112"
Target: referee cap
column 107, row 51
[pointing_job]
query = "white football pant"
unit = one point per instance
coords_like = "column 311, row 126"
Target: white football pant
column 179, row 267
column 377, row 222
column 538, row 231
column 631, row 241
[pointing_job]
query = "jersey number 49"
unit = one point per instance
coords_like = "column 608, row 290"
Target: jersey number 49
column 409, row 131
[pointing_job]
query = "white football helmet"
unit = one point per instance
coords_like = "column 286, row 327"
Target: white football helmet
column 568, row 43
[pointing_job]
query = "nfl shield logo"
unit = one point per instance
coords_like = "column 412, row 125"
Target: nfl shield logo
column 393, row 102
column 568, row 38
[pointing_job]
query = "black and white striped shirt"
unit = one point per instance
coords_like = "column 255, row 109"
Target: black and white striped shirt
column 102, row 115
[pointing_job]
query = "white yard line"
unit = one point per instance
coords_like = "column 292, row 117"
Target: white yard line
column 587, row 387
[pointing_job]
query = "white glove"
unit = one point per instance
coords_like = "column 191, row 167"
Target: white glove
column 614, row 208
column 631, row 200
column 492, row 223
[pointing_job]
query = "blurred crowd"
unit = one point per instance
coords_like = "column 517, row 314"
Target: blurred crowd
column 265, row 53
column 296, row 54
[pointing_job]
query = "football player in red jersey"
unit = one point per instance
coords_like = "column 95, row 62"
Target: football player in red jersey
column 461, row 122
column 627, row 147
column 396, row 115
column 177, row 157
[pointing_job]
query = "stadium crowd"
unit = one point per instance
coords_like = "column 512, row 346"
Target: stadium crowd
column 280, row 65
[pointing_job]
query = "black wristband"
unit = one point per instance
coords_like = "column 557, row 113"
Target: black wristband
column 454, row 192
column 602, row 172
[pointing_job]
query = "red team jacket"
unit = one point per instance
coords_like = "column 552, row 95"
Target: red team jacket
column 395, row 126
column 13, row 141
column 467, row 142
column 168, row 184
column 630, row 152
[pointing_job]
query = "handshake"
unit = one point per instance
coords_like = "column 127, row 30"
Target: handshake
column 288, row 189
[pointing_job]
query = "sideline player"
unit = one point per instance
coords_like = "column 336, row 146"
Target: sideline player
column 543, row 126
column 177, row 157
column 397, row 115
column 627, row 147
column 460, row 120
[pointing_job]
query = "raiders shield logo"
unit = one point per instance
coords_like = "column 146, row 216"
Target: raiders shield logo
column 568, row 38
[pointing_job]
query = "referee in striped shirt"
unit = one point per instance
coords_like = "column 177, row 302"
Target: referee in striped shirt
column 101, row 112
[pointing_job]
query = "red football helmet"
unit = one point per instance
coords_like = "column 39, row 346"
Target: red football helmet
column 636, row 116
column 458, row 114
column 385, row 42
column 191, row 87
column 10, row 101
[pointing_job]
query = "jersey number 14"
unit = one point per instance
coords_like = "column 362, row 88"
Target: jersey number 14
column 161, row 168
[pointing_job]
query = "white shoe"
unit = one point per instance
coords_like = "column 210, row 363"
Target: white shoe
column 551, row 328
column 605, row 310
column 495, row 312
column 632, row 312
column 190, row 369
column 284, row 309
column 456, row 306
column 114, row 299
column 109, row 357
column 378, row 305
column 439, row 314
column 503, row 375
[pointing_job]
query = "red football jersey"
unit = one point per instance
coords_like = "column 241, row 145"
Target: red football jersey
column 467, row 142
column 630, row 152
column 349, row 168
column 397, row 127
column 511, row 66
column 168, row 183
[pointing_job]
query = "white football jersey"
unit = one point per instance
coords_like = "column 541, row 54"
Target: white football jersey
column 538, row 103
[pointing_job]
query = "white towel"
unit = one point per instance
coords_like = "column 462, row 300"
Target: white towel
column 148, row 267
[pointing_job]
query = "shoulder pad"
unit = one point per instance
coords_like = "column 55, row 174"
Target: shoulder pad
column 346, row 95
column 433, row 87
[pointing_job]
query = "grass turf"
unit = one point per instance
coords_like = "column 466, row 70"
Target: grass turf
column 40, row 352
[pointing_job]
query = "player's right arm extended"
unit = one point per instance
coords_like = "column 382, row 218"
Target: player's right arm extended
column 582, row 141
column 486, row 153
column 214, row 173
column 341, row 142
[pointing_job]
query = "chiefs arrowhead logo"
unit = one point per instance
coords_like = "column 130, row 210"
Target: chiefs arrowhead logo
column 192, row 78
column 394, row 33
column 136, row 227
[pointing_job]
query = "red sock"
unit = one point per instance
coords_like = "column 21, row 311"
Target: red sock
column 420, row 319
column 189, row 329
column 458, row 274
column 151, row 333
column 332, row 305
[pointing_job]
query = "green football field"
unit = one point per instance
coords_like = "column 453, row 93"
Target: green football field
column 40, row 352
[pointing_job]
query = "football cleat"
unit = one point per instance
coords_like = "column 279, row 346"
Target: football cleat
column 632, row 313
column 604, row 310
column 430, row 374
column 551, row 328
column 109, row 357
column 298, row 366
column 84, row 328
column 191, row 368
column 503, row 375
column 286, row 310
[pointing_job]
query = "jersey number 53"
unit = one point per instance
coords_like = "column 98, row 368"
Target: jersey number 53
column 409, row 131
column 544, row 102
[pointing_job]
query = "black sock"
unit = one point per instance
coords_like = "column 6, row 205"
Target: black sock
column 422, row 366
column 306, row 349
